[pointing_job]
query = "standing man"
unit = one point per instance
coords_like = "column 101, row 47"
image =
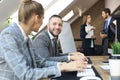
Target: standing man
column 46, row 42
column 108, row 32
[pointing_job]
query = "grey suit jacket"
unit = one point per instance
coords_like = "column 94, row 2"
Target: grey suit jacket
column 43, row 46
column 17, row 62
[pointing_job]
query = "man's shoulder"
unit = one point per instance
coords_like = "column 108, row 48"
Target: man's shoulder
column 43, row 33
column 113, row 19
column 42, row 36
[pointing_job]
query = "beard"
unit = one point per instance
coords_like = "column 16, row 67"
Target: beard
column 106, row 17
column 52, row 33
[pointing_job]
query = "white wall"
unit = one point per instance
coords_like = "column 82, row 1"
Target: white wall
column 112, row 4
column 7, row 8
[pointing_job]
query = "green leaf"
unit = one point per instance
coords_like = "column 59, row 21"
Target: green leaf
column 116, row 47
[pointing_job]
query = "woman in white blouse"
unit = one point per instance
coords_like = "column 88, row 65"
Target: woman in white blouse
column 87, row 34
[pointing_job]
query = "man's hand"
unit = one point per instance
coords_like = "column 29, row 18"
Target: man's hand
column 73, row 66
column 103, row 35
column 77, row 56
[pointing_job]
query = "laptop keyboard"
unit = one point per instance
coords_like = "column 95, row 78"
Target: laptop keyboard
column 86, row 72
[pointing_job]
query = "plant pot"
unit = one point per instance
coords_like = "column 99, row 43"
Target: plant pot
column 114, row 62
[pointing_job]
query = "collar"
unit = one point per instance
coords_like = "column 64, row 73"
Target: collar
column 109, row 19
column 88, row 24
column 50, row 35
column 22, row 31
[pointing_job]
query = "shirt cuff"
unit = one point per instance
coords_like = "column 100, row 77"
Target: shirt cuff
column 58, row 67
column 68, row 57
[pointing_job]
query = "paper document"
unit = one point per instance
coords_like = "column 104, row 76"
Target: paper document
column 90, row 32
column 105, row 67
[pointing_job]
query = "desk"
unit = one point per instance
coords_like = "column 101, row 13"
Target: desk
column 96, row 61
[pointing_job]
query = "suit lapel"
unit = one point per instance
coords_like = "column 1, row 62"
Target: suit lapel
column 31, row 55
column 50, row 43
column 25, row 51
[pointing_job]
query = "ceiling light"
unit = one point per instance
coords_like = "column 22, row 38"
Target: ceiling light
column 1, row 1
column 68, row 16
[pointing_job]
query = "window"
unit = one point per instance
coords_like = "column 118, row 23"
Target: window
column 51, row 7
column 68, row 16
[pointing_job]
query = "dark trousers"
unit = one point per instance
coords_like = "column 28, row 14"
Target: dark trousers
column 89, row 51
column 105, row 46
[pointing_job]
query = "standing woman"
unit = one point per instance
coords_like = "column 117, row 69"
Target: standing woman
column 87, row 34
column 18, row 61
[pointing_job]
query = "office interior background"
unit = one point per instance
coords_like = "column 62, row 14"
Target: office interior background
column 70, row 10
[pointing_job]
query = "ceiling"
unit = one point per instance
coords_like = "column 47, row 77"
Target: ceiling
column 8, row 7
column 117, row 11
column 79, row 7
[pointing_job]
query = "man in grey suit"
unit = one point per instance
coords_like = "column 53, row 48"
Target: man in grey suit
column 18, row 61
column 44, row 43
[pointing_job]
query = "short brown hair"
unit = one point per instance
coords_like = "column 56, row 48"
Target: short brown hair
column 107, row 10
column 84, row 18
column 55, row 16
column 28, row 8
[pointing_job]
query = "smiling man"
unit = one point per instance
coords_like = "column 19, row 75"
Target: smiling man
column 45, row 42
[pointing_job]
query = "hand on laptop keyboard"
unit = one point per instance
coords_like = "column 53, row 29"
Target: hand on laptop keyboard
column 87, row 72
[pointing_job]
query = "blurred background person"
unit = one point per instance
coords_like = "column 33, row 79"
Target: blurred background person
column 87, row 34
column 108, row 32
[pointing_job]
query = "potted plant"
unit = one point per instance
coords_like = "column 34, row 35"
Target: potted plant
column 114, row 61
